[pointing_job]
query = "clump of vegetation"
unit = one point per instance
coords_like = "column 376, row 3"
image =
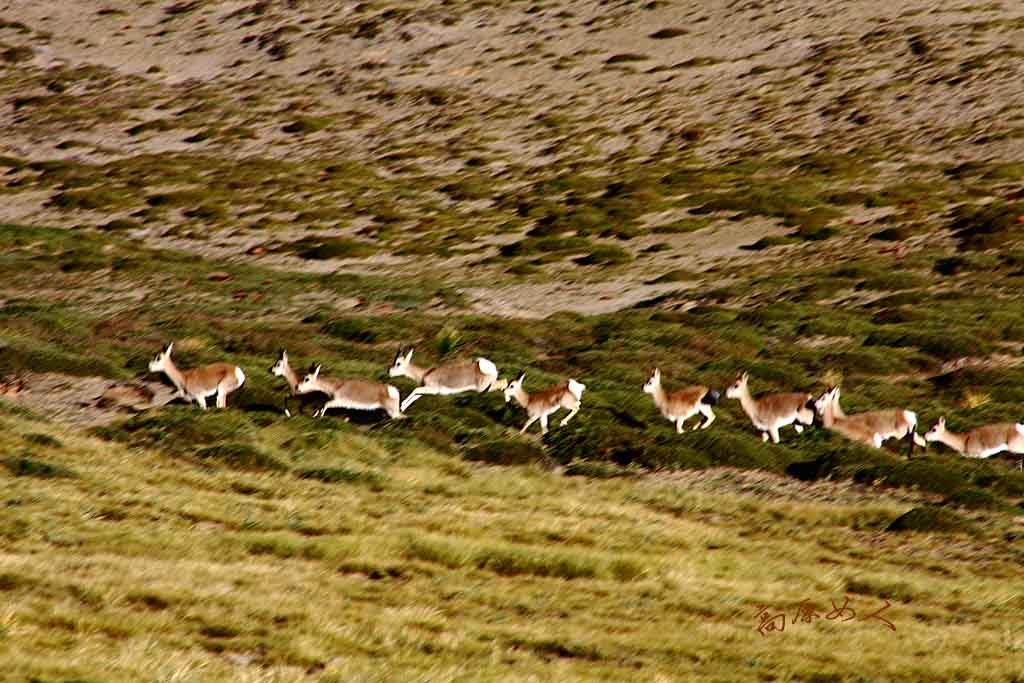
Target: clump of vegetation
column 928, row 518
column 40, row 439
column 336, row 475
column 671, row 32
column 321, row 248
column 239, row 456
column 604, row 255
column 24, row 466
column 988, row 226
column 304, row 125
column 505, row 452
column 626, row 57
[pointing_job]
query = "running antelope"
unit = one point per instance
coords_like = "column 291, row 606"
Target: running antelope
column 982, row 442
column 872, row 427
column 851, row 429
column 771, row 412
column 357, row 394
column 679, row 406
column 540, row 404
column 282, row 369
column 477, row 375
column 200, row 383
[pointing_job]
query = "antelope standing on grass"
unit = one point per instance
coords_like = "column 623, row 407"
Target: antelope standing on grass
column 357, row 394
column 479, row 374
column 873, row 427
column 771, row 412
column 197, row 384
column 540, row 404
column 282, row 369
column 679, row 406
column 982, row 442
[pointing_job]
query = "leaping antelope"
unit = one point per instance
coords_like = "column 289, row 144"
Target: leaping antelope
column 872, row 427
column 982, row 442
column 771, row 412
column 477, row 375
column 282, row 369
column 357, row 394
column 540, row 404
column 197, row 384
column 678, row 406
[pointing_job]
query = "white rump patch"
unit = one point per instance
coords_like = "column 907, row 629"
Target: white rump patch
column 487, row 367
column 576, row 389
column 393, row 392
column 239, row 375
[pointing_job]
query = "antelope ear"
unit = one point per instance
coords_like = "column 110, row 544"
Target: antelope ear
column 316, row 371
column 942, row 421
column 408, row 356
column 521, row 377
column 284, row 355
column 170, row 347
column 656, row 373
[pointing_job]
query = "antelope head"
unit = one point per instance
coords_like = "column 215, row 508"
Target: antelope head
column 401, row 364
column 514, row 386
column 737, row 387
column 280, row 365
column 309, row 380
column 653, row 382
column 937, row 431
column 824, row 400
column 159, row 364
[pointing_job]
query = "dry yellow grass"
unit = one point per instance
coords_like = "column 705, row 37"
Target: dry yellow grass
column 141, row 568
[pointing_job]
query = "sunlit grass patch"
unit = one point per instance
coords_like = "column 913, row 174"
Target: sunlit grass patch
column 511, row 560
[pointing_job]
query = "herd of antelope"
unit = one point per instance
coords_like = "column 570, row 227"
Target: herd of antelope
column 768, row 412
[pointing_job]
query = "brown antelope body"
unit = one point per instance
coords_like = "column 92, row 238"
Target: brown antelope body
column 356, row 394
column 197, row 384
column 771, row 412
column 678, row 406
column 872, row 427
column 479, row 374
column 540, row 404
column 283, row 369
column 983, row 442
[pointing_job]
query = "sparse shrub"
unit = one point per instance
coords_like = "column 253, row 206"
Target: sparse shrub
column 596, row 470
column 974, row 498
column 23, row 466
column 306, row 124
column 604, row 255
column 285, row 546
column 988, row 226
column 239, row 456
column 672, row 32
column 626, row 57
column 356, row 329
column 320, row 248
column 178, row 430
column 944, row 344
column 928, row 518
column 43, row 440
column 17, row 54
column 149, row 600
column 337, row 475
column 514, row 451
